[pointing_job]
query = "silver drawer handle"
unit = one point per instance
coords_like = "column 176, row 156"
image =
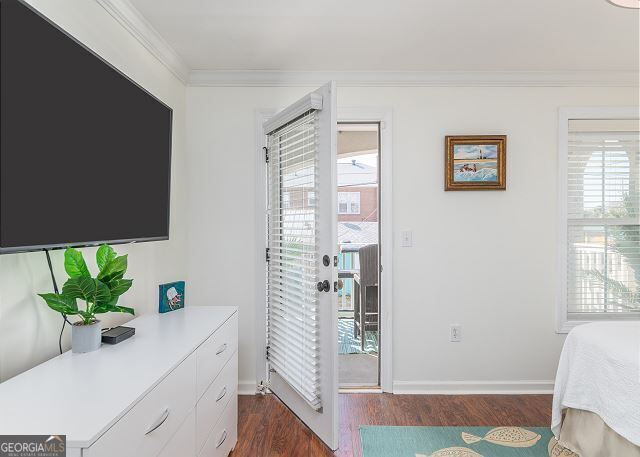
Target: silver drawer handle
column 163, row 417
column 223, row 392
column 222, row 438
column 221, row 349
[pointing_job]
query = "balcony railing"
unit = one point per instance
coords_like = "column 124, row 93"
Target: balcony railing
column 603, row 282
column 348, row 266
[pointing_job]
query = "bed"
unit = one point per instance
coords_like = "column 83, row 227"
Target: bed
column 596, row 402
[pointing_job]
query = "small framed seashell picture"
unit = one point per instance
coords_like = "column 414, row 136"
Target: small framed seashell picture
column 475, row 162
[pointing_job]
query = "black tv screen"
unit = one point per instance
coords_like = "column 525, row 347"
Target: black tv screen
column 85, row 153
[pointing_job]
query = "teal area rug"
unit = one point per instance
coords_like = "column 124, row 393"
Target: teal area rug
column 347, row 344
column 455, row 441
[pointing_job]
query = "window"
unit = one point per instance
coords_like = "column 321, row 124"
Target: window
column 348, row 202
column 311, row 198
column 286, row 200
column 600, row 187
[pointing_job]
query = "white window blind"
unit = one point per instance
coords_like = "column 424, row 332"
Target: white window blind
column 603, row 219
column 293, row 269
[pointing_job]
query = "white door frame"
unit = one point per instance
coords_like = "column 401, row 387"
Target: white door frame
column 365, row 114
column 384, row 117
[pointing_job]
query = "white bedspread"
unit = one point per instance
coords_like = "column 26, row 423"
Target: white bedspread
column 599, row 371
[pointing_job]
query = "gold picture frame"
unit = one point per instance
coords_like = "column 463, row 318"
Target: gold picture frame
column 475, row 162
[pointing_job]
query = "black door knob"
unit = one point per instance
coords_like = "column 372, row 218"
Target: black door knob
column 323, row 286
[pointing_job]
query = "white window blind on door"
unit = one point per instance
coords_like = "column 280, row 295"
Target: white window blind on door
column 603, row 219
column 293, row 267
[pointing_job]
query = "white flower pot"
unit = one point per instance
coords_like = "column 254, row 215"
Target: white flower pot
column 86, row 338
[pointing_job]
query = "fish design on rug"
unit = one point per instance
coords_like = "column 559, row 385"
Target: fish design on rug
column 505, row 436
column 452, row 452
column 558, row 450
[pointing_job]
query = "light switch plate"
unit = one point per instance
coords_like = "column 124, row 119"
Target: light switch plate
column 407, row 238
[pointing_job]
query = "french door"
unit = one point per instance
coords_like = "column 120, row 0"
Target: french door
column 301, row 314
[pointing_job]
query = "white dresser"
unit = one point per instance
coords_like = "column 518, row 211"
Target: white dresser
column 169, row 391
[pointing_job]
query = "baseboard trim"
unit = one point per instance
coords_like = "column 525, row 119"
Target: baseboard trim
column 360, row 390
column 447, row 387
column 247, row 387
column 472, row 387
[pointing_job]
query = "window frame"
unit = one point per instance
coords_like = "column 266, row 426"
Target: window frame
column 563, row 323
column 350, row 201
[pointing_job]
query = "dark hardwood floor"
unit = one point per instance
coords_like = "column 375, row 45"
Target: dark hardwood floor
column 267, row 428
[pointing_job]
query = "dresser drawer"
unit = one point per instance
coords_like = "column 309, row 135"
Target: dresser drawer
column 215, row 352
column 212, row 403
column 224, row 436
column 183, row 443
column 149, row 425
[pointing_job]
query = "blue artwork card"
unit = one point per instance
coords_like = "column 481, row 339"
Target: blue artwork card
column 171, row 296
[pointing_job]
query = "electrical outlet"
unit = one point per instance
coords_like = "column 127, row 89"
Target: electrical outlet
column 407, row 238
column 456, row 333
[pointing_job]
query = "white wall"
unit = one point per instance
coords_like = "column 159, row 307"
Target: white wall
column 485, row 260
column 29, row 329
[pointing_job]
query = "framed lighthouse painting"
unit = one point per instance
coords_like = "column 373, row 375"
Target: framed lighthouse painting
column 476, row 162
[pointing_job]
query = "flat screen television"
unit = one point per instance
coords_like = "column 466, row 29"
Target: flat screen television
column 85, row 152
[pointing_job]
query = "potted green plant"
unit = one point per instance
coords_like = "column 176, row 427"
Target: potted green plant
column 100, row 294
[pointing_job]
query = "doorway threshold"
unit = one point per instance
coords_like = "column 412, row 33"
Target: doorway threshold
column 359, row 389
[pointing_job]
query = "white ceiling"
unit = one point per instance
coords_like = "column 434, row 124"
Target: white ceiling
column 421, row 35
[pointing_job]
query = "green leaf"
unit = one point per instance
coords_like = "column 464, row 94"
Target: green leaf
column 79, row 287
column 113, row 309
column 115, row 269
column 124, row 309
column 74, row 264
column 88, row 289
column 102, row 294
column 87, row 317
column 61, row 303
column 119, row 286
column 104, row 256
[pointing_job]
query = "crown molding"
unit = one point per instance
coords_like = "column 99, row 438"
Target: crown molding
column 271, row 78
column 131, row 19
column 134, row 22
